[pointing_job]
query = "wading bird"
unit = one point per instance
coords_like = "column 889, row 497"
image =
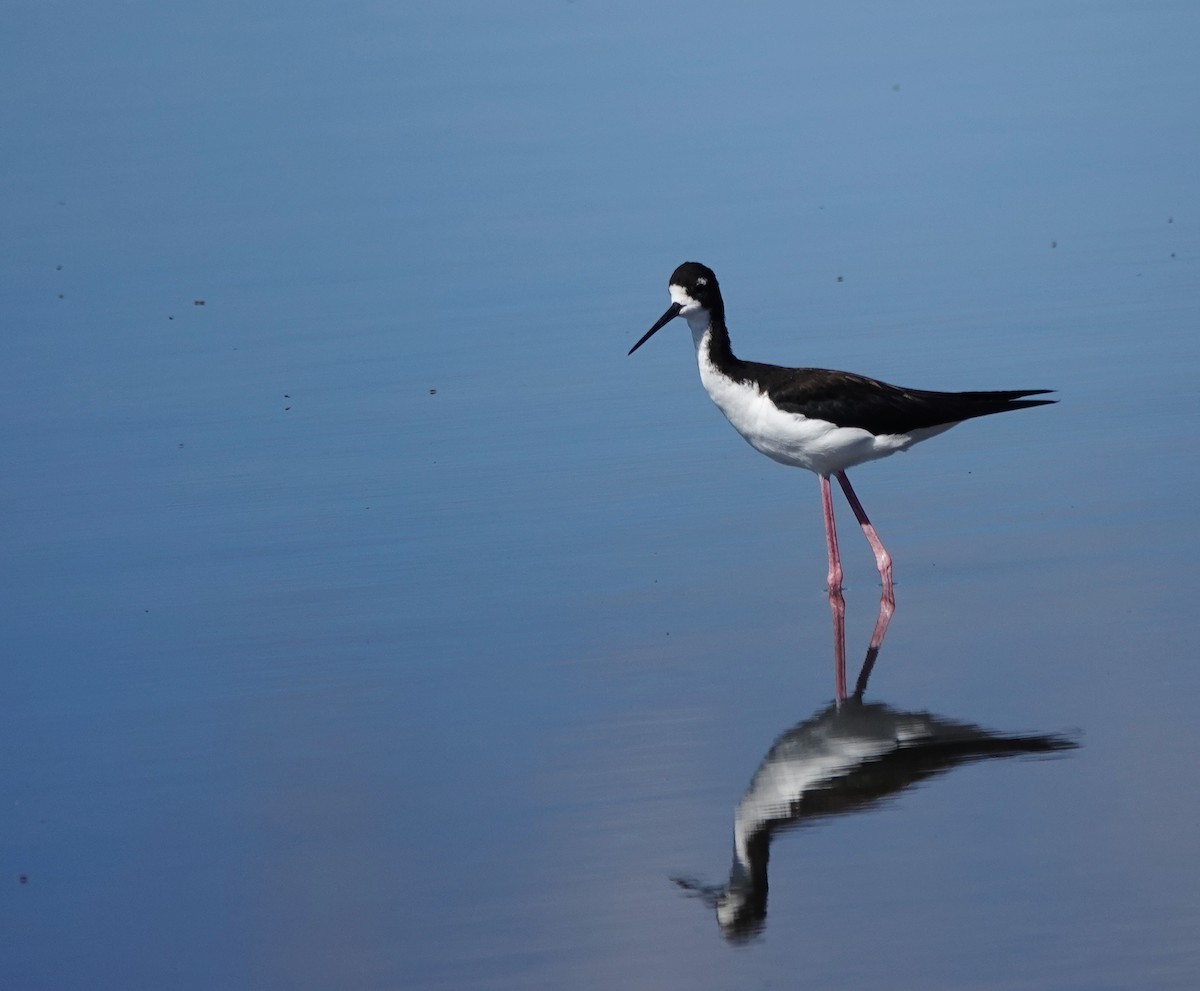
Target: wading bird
column 815, row 418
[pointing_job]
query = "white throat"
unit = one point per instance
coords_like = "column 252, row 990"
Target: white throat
column 700, row 323
column 698, row 318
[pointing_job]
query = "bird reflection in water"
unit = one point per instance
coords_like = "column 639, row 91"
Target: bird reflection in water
column 848, row 758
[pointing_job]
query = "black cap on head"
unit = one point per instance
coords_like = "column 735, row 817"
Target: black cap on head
column 700, row 282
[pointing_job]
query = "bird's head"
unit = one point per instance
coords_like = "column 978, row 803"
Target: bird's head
column 694, row 290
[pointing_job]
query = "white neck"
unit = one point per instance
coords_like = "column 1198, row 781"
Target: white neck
column 700, row 323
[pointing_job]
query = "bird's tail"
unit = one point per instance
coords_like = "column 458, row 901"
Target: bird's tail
column 985, row 403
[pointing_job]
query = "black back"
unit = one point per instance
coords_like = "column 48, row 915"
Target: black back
column 851, row 400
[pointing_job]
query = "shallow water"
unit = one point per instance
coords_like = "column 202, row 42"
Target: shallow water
column 371, row 621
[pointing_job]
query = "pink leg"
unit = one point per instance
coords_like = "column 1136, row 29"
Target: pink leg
column 834, row 579
column 883, row 560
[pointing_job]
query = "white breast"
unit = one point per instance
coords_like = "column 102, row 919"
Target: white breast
column 789, row 438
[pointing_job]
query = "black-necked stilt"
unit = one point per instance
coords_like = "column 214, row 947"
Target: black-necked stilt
column 814, row 418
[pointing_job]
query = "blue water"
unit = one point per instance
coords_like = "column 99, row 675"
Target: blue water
column 370, row 620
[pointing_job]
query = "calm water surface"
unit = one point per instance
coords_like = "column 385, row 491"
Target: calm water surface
column 371, row 621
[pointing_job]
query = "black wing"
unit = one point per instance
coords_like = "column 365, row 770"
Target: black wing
column 851, row 400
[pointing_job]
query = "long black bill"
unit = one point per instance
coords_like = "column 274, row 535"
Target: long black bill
column 666, row 318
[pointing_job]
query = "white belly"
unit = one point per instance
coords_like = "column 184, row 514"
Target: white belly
column 792, row 439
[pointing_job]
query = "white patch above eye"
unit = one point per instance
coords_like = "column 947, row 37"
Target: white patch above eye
column 702, row 281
